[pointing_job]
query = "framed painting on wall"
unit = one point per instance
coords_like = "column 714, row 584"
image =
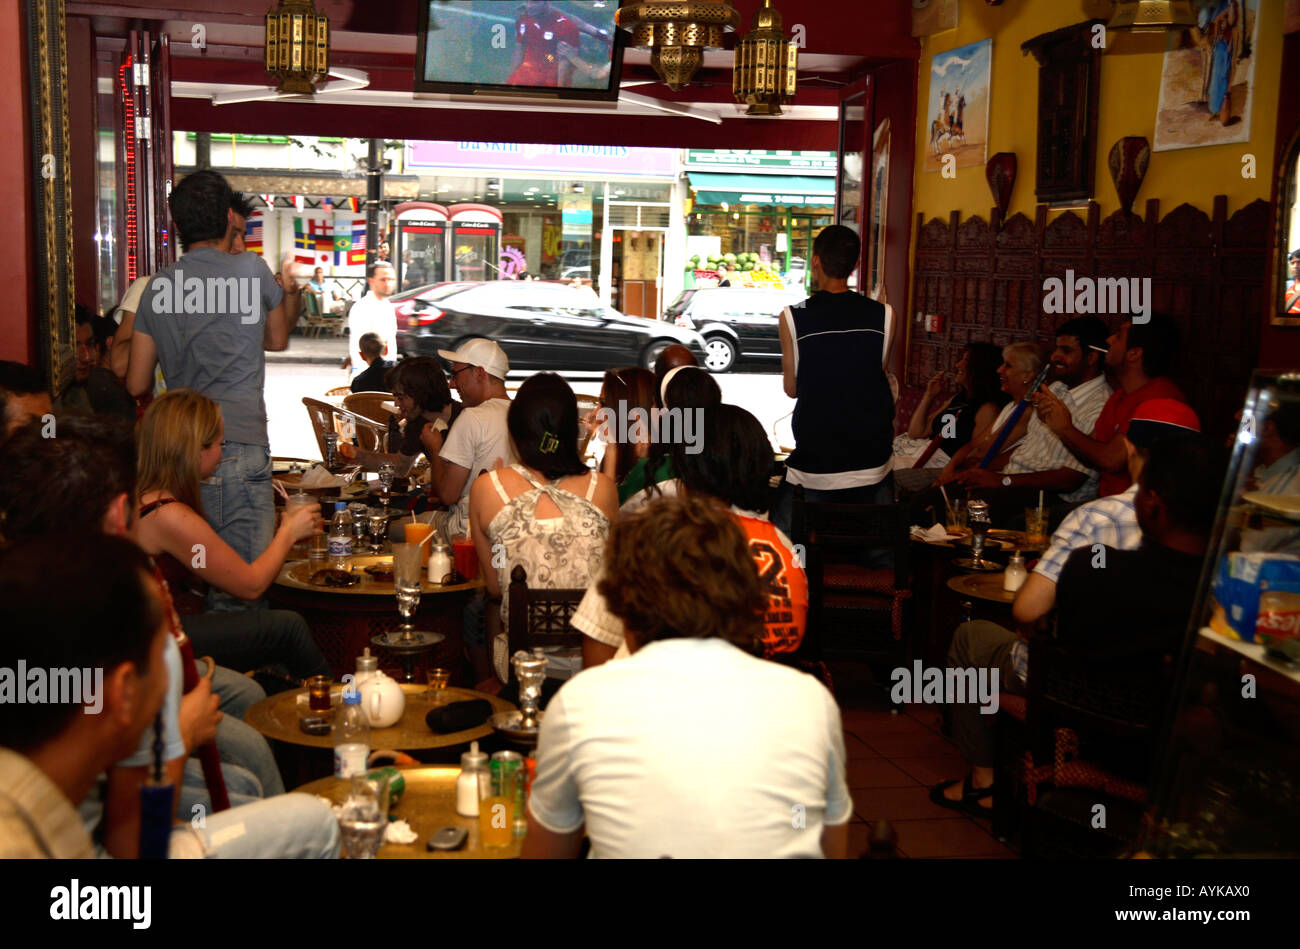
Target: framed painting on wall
column 1207, row 83
column 875, row 279
column 957, row 116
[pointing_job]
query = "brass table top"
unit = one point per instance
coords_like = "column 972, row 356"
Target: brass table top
column 297, row 575
column 982, row 586
column 276, row 716
column 428, row 805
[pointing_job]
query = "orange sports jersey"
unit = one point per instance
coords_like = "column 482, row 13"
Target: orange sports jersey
column 787, row 614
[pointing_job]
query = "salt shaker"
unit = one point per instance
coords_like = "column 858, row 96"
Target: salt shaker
column 1014, row 577
column 440, row 564
column 472, row 782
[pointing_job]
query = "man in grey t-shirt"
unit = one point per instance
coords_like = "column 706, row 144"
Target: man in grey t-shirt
column 206, row 320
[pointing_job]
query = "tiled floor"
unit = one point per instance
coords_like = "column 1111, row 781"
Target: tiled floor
column 893, row 760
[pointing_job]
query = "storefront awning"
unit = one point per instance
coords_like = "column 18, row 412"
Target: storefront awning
column 791, row 190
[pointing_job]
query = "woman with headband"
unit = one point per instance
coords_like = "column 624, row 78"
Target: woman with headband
column 686, row 391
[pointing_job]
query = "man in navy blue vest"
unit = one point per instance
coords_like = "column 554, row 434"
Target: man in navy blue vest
column 832, row 351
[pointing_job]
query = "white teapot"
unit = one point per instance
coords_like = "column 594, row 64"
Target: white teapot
column 382, row 697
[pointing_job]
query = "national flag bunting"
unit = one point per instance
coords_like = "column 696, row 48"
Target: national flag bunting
column 253, row 231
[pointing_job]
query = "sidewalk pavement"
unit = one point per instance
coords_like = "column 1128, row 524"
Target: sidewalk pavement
column 318, row 350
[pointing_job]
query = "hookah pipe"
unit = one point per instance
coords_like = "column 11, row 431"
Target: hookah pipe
column 1016, row 413
column 156, row 804
column 207, row 753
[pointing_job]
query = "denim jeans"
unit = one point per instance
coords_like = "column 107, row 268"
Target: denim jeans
column 236, row 692
column 252, row 639
column 240, row 505
column 238, row 743
column 291, row 826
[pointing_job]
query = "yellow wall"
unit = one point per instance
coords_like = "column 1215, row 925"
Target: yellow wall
column 1130, row 90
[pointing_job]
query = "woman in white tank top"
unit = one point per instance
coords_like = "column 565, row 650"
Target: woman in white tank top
column 548, row 514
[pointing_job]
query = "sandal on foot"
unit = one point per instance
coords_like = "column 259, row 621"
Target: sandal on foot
column 970, row 796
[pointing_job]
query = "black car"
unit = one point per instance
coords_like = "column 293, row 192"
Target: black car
column 539, row 325
column 737, row 323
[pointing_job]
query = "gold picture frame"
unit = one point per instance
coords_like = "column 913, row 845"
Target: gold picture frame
column 47, row 56
column 1286, row 228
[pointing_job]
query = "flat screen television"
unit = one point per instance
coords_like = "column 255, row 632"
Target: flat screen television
column 566, row 49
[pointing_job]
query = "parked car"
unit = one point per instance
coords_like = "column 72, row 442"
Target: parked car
column 737, row 323
column 539, row 325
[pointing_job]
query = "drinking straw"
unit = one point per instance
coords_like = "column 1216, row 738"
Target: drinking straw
column 279, row 487
column 1040, row 503
column 946, row 502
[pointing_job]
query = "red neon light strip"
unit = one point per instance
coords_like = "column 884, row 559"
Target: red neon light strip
column 132, row 225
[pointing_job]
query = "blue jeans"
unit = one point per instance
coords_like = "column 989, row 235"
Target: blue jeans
column 249, row 766
column 292, row 826
column 252, row 639
column 239, row 503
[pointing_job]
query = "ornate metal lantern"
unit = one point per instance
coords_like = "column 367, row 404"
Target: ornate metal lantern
column 677, row 32
column 297, row 46
column 766, row 65
column 1151, row 16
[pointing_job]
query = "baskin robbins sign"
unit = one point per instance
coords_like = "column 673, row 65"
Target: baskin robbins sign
column 535, row 159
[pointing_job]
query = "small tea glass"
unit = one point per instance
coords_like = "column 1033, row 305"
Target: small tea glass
column 438, row 679
column 364, row 817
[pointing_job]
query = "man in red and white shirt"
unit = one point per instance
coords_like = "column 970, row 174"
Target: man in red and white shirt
column 540, row 31
column 1138, row 358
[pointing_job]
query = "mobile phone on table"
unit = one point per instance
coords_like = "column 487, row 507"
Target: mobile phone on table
column 448, row 838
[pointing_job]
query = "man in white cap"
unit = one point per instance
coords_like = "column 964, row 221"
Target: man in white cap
column 478, row 440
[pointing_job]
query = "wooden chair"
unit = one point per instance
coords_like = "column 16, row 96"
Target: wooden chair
column 855, row 612
column 540, row 617
column 1092, row 732
column 338, row 391
column 370, row 405
column 325, row 419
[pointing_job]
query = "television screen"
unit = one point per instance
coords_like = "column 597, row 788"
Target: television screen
column 565, row 48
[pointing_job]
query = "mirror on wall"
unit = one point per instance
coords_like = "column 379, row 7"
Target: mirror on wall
column 1286, row 311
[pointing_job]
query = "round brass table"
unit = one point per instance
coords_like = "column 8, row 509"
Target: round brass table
column 344, row 620
column 428, row 805
column 1007, row 541
column 982, row 586
column 276, row 716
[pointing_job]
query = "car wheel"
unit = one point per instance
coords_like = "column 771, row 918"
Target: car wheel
column 719, row 354
column 652, row 352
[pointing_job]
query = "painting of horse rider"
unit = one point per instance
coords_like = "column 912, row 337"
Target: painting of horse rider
column 958, row 115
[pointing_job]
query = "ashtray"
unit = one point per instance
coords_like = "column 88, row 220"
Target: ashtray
column 314, row 724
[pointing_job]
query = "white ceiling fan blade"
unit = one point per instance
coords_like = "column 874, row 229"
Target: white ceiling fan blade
column 348, row 80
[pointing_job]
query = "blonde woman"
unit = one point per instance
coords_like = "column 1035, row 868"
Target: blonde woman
column 179, row 445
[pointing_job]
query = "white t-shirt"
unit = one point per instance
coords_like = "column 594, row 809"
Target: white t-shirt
column 475, row 441
column 691, row 748
column 371, row 315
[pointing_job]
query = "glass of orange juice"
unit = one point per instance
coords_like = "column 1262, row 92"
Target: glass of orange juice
column 496, row 820
column 417, row 533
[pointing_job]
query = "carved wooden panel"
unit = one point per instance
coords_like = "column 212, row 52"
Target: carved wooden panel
column 1069, row 67
column 1207, row 270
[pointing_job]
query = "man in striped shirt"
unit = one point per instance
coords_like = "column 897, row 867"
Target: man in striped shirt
column 1168, row 537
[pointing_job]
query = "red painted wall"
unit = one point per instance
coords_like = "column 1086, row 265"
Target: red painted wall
column 17, row 317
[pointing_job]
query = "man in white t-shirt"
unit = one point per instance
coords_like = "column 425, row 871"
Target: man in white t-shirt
column 373, row 314
column 478, row 440
column 746, row 759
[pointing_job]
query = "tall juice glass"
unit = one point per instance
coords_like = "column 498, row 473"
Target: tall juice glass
column 417, row 532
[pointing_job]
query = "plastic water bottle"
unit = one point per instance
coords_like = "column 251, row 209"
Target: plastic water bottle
column 351, row 736
column 340, row 539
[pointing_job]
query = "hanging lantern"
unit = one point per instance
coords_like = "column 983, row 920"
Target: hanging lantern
column 297, row 46
column 1151, row 16
column 766, row 64
column 677, row 32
